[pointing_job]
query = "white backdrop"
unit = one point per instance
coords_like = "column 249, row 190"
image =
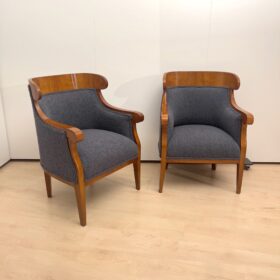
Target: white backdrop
column 132, row 43
column 4, row 147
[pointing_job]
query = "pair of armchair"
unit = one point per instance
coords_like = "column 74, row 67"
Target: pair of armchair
column 82, row 138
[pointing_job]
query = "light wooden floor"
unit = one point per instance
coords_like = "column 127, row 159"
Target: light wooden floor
column 198, row 228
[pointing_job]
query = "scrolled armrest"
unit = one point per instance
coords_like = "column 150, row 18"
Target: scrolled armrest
column 136, row 116
column 74, row 134
column 247, row 117
column 164, row 120
column 167, row 119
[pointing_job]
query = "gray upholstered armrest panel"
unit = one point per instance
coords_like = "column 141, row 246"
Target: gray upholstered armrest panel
column 54, row 151
column 170, row 127
column 117, row 122
column 231, row 121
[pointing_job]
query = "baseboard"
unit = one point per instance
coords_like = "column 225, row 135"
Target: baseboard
column 253, row 162
column 266, row 162
column 25, row 160
column 143, row 161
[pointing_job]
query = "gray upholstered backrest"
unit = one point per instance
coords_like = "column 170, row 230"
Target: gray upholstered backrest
column 203, row 105
column 196, row 105
column 83, row 109
column 78, row 108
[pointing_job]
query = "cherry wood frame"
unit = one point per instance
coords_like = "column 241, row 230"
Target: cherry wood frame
column 49, row 84
column 203, row 79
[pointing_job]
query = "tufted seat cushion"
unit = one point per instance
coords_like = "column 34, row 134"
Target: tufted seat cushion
column 102, row 150
column 201, row 142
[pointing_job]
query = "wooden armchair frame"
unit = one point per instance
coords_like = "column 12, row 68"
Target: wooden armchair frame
column 50, row 84
column 203, row 79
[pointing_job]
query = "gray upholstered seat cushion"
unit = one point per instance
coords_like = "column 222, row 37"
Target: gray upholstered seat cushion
column 201, row 142
column 103, row 150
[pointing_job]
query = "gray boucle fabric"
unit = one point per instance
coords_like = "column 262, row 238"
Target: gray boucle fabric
column 83, row 109
column 54, row 151
column 201, row 142
column 103, row 150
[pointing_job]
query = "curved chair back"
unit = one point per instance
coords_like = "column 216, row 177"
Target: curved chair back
column 66, row 82
column 72, row 99
column 202, row 98
column 200, row 79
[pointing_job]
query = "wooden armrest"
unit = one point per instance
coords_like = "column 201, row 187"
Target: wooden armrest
column 247, row 117
column 164, row 119
column 73, row 134
column 136, row 116
column 164, row 113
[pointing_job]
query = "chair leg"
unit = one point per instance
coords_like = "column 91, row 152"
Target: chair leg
column 162, row 174
column 48, row 184
column 239, row 176
column 137, row 172
column 81, row 202
column 166, row 166
column 213, row 166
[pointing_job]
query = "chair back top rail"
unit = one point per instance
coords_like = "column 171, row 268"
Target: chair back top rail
column 49, row 84
column 200, row 79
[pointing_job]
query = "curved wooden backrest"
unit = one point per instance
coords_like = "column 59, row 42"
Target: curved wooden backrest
column 48, row 84
column 200, row 79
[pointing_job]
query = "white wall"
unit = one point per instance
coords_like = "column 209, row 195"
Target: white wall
column 132, row 43
column 4, row 147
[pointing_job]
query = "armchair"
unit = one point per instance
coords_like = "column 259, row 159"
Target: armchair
column 81, row 137
column 201, row 122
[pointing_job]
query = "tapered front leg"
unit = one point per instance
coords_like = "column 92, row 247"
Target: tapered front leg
column 81, row 202
column 213, row 166
column 162, row 174
column 137, row 173
column 239, row 176
column 48, row 184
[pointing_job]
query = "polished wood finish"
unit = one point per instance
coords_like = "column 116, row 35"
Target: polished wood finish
column 243, row 147
column 137, row 162
column 80, row 186
column 48, row 184
column 202, row 161
column 64, row 82
column 136, row 167
column 164, row 127
column 41, row 86
column 198, row 230
column 203, row 79
column 247, row 118
column 136, row 116
column 200, row 78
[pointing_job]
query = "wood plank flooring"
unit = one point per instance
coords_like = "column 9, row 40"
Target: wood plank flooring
column 198, row 228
